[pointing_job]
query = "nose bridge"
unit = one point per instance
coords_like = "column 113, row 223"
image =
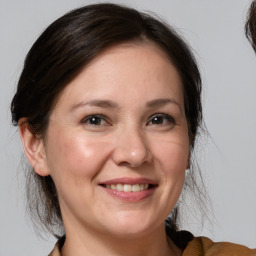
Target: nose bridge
column 131, row 147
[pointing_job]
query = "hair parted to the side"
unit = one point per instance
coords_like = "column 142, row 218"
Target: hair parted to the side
column 62, row 51
column 250, row 25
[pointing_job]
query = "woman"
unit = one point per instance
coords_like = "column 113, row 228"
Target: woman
column 109, row 108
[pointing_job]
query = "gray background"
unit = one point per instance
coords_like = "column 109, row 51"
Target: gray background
column 214, row 28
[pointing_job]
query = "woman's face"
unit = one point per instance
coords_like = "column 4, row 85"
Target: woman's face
column 117, row 144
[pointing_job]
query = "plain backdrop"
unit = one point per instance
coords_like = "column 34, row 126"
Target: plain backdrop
column 214, row 29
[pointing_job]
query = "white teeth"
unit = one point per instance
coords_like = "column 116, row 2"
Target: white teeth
column 113, row 186
column 120, row 187
column 128, row 187
column 135, row 188
column 143, row 186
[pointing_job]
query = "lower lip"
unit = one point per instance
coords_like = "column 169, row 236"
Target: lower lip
column 130, row 196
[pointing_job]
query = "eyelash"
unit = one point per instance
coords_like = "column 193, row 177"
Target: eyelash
column 101, row 118
column 169, row 118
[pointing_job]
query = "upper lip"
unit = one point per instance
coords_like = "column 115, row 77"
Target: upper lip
column 129, row 180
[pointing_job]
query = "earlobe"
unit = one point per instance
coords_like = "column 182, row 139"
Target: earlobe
column 34, row 148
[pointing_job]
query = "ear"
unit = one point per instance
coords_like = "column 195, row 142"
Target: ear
column 34, row 148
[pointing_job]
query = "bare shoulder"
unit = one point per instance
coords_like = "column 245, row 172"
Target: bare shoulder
column 203, row 246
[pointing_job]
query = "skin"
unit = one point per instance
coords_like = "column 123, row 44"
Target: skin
column 141, row 133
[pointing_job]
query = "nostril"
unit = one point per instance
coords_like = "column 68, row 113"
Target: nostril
column 124, row 163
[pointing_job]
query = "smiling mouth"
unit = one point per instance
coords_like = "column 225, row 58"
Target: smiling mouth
column 128, row 187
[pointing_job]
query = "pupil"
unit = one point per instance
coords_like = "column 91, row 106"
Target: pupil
column 157, row 120
column 95, row 120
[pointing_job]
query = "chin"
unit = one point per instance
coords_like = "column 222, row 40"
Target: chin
column 132, row 225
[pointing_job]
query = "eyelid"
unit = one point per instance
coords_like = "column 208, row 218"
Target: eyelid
column 163, row 115
column 102, row 117
column 171, row 121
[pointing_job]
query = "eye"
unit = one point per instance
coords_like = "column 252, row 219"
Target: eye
column 95, row 120
column 161, row 119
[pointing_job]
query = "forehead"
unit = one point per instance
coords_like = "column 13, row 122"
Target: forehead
column 135, row 52
column 126, row 69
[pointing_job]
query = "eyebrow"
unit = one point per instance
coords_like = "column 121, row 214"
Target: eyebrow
column 95, row 103
column 161, row 102
column 111, row 104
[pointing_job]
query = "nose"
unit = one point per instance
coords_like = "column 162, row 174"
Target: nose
column 131, row 149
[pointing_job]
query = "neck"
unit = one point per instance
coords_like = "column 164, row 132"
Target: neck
column 93, row 243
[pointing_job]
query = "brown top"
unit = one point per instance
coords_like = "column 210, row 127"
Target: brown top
column 198, row 246
column 203, row 246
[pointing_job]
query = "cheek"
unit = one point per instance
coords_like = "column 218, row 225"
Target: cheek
column 73, row 154
column 173, row 155
column 172, row 160
column 174, row 164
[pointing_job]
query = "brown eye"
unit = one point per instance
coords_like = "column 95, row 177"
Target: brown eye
column 157, row 120
column 161, row 119
column 95, row 120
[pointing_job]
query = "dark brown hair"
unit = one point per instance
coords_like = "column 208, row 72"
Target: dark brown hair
column 250, row 25
column 63, row 50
